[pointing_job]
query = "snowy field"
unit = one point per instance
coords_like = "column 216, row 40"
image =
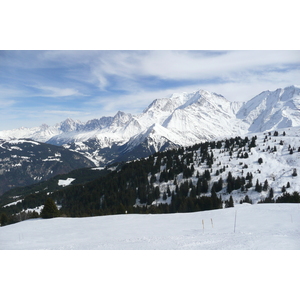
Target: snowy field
column 244, row 227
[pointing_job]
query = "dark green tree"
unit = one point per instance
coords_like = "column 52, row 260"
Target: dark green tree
column 258, row 186
column 266, row 185
column 50, row 209
column 165, row 196
column 3, row 219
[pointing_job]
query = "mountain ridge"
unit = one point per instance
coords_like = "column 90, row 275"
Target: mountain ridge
column 186, row 118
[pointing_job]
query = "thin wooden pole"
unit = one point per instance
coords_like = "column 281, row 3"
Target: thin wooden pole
column 234, row 222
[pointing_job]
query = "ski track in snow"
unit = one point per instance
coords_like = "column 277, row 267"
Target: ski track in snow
column 258, row 227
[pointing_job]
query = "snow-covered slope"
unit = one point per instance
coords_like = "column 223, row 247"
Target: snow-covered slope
column 272, row 110
column 244, row 227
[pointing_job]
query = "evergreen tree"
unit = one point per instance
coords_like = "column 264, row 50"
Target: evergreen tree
column 258, row 187
column 50, row 209
column 169, row 191
column 153, row 178
column 165, row 196
column 219, row 186
column 266, row 185
column 229, row 177
column 3, row 219
column 207, row 174
column 247, row 199
column 156, row 192
column 204, row 186
column 252, row 144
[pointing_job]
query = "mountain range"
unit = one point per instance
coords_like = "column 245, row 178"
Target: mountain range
column 183, row 119
column 180, row 120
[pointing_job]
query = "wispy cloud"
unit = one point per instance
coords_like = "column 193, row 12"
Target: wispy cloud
column 54, row 92
column 62, row 112
column 102, row 82
column 187, row 65
column 7, row 103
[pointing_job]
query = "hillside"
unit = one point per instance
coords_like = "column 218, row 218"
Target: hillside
column 211, row 175
column 245, row 227
column 24, row 162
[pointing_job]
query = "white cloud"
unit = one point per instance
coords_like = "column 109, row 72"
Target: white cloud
column 63, row 112
column 185, row 65
column 55, row 92
column 7, row 103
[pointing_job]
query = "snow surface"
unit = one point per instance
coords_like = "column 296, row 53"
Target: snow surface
column 66, row 182
column 244, row 227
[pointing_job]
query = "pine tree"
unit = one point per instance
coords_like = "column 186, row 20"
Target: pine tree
column 164, row 196
column 50, row 209
column 3, row 219
column 204, row 187
column 169, row 191
column 258, row 186
column 266, row 185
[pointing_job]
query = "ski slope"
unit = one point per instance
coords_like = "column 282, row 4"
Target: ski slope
column 244, row 227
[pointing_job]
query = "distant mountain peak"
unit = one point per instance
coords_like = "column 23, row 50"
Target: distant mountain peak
column 182, row 119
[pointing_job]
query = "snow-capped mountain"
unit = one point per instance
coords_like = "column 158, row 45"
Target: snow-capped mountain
column 272, row 110
column 180, row 120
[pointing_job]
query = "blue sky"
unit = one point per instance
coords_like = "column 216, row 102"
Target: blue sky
column 39, row 87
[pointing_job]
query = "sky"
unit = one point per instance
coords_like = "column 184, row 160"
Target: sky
column 38, row 86
column 67, row 60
